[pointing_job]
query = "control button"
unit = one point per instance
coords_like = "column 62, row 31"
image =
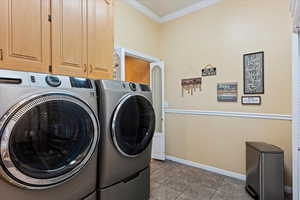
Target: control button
column 53, row 81
column 32, row 78
column 132, row 86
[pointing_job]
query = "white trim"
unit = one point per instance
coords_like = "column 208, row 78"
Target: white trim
column 137, row 54
column 216, row 170
column 207, row 168
column 179, row 13
column 230, row 114
column 188, row 10
column 162, row 136
column 296, row 114
column 132, row 53
column 146, row 11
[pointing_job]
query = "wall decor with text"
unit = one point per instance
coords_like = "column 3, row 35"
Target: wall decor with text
column 227, row 92
column 191, row 85
column 209, row 70
column 251, row 100
column 254, row 73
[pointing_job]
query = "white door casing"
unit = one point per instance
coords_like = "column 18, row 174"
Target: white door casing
column 157, row 86
column 296, row 115
column 158, row 147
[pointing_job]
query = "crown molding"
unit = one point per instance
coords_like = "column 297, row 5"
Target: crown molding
column 146, row 11
column 149, row 13
column 188, row 10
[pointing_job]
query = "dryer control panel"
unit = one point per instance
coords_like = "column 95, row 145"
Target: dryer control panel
column 125, row 86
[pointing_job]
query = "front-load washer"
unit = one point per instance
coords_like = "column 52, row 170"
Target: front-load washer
column 49, row 134
column 127, row 121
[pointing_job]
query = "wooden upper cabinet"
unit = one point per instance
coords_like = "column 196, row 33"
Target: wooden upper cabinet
column 100, row 38
column 69, row 37
column 25, row 35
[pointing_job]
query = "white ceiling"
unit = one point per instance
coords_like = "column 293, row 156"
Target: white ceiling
column 166, row 7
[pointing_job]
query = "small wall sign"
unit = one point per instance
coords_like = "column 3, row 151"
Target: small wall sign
column 209, row 70
column 251, row 100
column 191, row 85
column 227, row 92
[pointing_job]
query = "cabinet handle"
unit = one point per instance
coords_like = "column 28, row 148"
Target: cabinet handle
column 1, row 54
column 91, row 68
column 85, row 68
column 108, row 2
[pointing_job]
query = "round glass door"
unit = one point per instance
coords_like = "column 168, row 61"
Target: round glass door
column 48, row 139
column 133, row 125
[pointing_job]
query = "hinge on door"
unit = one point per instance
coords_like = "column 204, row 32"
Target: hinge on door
column 50, row 18
column 50, row 68
column 1, row 54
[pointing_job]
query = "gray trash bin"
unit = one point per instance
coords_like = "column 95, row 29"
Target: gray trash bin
column 265, row 171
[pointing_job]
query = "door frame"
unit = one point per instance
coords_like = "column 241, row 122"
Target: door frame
column 163, row 139
column 123, row 52
column 296, row 113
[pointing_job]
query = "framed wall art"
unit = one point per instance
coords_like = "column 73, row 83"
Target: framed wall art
column 191, row 85
column 254, row 73
column 251, row 100
column 227, row 92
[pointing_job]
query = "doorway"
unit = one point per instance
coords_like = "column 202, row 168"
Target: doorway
column 137, row 70
column 140, row 68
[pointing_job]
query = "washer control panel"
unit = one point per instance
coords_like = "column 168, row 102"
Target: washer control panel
column 40, row 80
column 53, row 81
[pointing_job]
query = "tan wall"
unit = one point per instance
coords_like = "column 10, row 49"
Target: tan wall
column 135, row 31
column 220, row 35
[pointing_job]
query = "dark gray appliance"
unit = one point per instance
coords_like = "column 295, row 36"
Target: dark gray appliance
column 265, row 171
column 127, row 121
column 49, row 134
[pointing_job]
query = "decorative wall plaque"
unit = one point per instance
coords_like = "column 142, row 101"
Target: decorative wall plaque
column 209, row 70
column 227, row 92
column 251, row 100
column 191, row 85
column 254, row 73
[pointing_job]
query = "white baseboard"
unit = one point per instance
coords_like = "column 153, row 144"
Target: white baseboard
column 231, row 174
column 208, row 168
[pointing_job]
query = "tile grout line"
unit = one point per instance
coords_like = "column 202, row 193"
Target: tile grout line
column 185, row 189
column 217, row 189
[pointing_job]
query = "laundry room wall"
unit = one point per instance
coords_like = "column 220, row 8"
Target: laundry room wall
column 134, row 30
column 220, row 35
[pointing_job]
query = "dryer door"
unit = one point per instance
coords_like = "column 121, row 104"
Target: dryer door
column 133, row 125
column 46, row 140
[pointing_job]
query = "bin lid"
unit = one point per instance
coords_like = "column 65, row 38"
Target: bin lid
column 264, row 147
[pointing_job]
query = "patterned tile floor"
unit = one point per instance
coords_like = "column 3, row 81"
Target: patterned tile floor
column 173, row 181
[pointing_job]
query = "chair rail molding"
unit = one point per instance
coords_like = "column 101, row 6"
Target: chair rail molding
column 230, row 114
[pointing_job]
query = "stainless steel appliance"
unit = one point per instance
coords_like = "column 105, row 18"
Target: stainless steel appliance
column 265, row 171
column 48, row 137
column 127, row 125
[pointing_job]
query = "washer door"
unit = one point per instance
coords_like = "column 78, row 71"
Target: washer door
column 133, row 125
column 46, row 140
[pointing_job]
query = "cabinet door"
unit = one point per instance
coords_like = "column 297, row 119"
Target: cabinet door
column 100, row 39
column 25, row 35
column 69, row 37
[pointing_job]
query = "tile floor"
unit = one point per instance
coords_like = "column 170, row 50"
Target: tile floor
column 173, row 181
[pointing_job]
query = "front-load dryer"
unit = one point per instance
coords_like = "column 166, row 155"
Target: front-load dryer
column 127, row 121
column 49, row 134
